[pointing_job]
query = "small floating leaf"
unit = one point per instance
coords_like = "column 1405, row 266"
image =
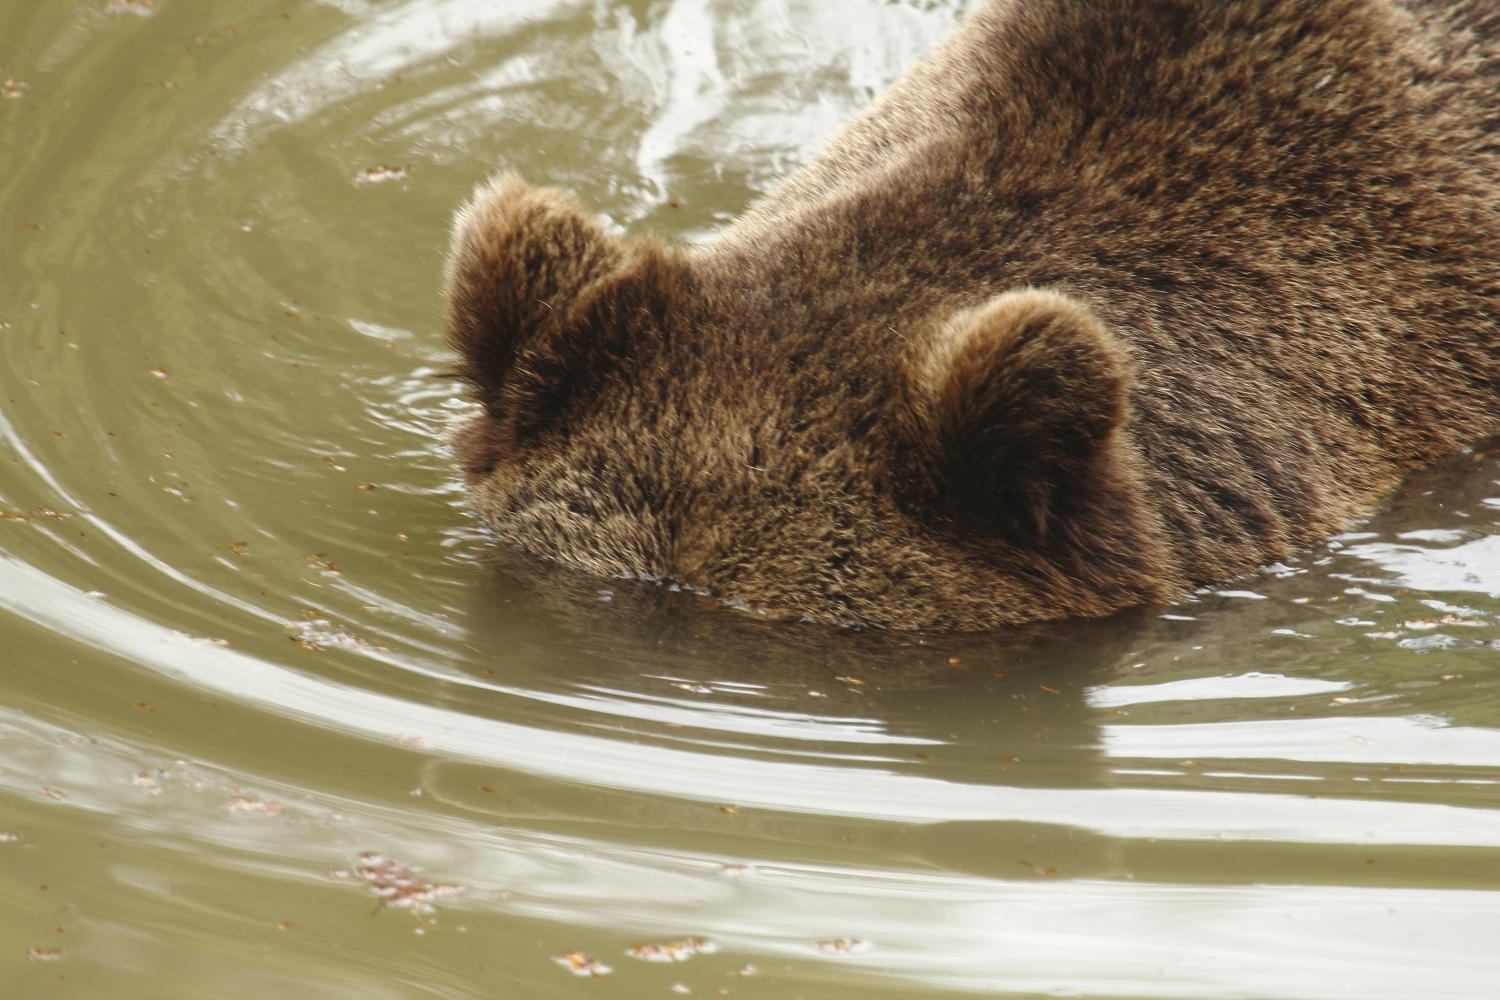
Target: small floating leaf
column 580, row 964
column 672, row 951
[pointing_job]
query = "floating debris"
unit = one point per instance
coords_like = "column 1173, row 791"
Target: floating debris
column 44, row 954
column 12, row 89
column 148, row 782
column 412, row 742
column 850, row 680
column 580, row 964
column 240, row 803
column 378, row 175
column 50, row 793
column 7, row 837
column 680, row 988
column 1420, row 623
column 1465, row 622
column 398, row 886
column 695, row 688
column 844, row 946
column 319, row 634
column 672, row 951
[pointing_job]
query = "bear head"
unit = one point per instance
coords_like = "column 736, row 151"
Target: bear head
column 648, row 412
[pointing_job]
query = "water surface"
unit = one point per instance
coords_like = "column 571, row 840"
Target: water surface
column 251, row 633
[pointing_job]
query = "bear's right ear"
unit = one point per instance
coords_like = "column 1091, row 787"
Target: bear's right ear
column 520, row 260
column 1023, row 397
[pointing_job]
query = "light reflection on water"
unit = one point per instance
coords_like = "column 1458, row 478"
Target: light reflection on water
column 945, row 930
column 1471, row 566
column 1413, row 739
column 246, row 577
column 1114, row 937
column 1253, row 684
column 833, row 791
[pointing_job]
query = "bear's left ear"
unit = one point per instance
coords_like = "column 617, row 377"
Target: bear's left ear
column 1025, row 396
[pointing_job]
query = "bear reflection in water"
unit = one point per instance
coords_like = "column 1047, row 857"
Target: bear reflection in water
column 1037, row 706
column 1101, row 302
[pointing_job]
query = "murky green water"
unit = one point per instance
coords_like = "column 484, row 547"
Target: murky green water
column 250, row 633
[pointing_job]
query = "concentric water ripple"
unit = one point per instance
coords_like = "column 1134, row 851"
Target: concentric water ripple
column 252, row 634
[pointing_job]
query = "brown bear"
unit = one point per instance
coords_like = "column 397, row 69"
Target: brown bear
column 1104, row 300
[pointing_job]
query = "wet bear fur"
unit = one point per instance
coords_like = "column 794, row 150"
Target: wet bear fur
column 1104, row 300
